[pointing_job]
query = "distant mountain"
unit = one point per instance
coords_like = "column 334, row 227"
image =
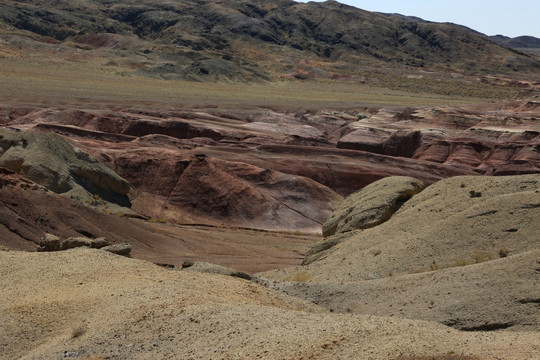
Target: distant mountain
column 523, row 43
column 251, row 39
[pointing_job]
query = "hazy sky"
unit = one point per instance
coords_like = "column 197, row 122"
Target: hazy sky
column 507, row 17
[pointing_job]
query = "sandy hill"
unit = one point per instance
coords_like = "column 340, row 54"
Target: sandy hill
column 463, row 252
column 92, row 304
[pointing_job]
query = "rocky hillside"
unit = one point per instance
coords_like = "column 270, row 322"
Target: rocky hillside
column 247, row 39
column 529, row 44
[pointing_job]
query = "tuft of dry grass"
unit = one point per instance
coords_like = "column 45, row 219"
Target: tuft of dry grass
column 503, row 252
column 157, row 220
column 482, row 257
column 300, row 276
column 79, row 331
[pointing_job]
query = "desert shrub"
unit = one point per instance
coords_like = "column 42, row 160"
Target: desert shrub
column 300, row 276
column 157, row 220
column 503, row 252
column 79, row 331
column 482, row 257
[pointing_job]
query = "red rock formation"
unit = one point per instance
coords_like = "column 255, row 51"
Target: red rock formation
column 280, row 170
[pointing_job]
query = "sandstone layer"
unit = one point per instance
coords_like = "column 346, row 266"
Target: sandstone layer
column 29, row 210
column 272, row 169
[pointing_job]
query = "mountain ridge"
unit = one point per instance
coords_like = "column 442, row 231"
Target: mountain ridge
column 255, row 40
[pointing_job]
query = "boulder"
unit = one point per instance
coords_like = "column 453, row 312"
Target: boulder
column 49, row 242
column 119, row 249
column 74, row 242
column 372, row 205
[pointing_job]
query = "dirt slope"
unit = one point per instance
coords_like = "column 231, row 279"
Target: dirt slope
column 499, row 294
column 28, row 210
column 456, row 220
column 88, row 303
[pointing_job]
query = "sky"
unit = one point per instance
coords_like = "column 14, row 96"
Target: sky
column 491, row 17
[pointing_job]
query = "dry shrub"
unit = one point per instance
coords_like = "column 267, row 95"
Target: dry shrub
column 480, row 258
column 300, row 276
column 79, row 331
column 503, row 252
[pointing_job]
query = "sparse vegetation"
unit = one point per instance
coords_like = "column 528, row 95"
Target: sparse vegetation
column 155, row 220
column 48, row 81
column 476, row 259
column 300, row 276
column 482, row 257
column 79, row 331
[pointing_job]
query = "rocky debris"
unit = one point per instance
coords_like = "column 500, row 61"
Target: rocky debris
column 372, row 205
column 205, row 267
column 80, row 241
column 119, row 249
column 49, row 242
column 51, row 161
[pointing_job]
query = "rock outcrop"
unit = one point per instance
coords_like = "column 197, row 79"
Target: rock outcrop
column 205, row 267
column 276, row 170
column 80, row 241
column 30, row 215
column 51, row 161
column 49, row 242
column 372, row 205
column 119, row 249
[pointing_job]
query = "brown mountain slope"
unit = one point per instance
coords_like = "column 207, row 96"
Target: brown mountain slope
column 250, row 39
column 529, row 44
